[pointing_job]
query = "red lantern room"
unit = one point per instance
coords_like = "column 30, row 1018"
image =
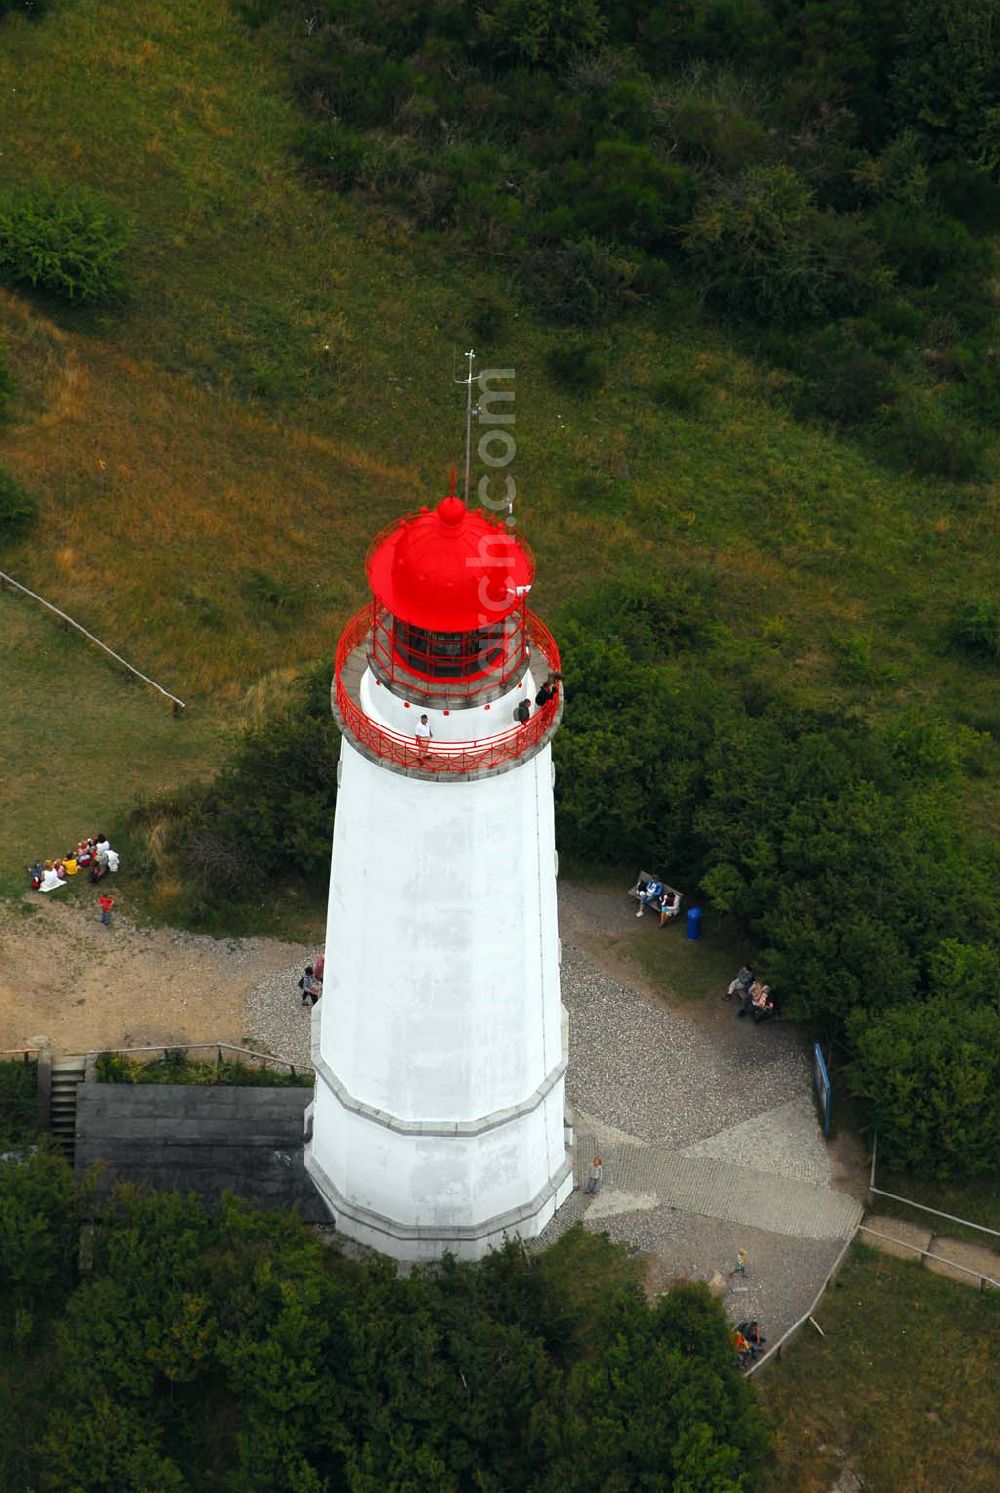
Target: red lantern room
column 449, row 607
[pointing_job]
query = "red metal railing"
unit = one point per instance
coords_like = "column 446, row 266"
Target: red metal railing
column 442, row 758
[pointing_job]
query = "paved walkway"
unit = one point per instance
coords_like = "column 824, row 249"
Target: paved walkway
column 641, row 1177
column 707, row 1131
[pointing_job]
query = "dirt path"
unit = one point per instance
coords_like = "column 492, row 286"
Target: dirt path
column 67, row 981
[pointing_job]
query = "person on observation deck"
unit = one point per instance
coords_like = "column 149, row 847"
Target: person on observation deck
column 549, row 690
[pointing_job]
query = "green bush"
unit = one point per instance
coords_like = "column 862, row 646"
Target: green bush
column 18, row 1101
column 18, row 508
column 32, row 8
column 235, row 1341
column 542, row 33
column 922, row 247
column 266, row 817
column 177, row 1067
column 975, row 629
column 930, row 1072
column 337, row 156
column 576, row 366
column 843, row 380
column 66, row 241
column 931, row 436
column 627, row 193
column 6, row 382
column 684, row 391
column 763, row 248
column 581, row 282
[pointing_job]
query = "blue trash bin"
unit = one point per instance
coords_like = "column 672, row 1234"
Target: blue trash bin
column 694, row 922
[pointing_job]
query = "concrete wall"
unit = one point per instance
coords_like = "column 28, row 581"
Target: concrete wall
column 440, row 1090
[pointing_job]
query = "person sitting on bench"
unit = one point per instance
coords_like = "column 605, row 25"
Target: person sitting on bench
column 668, row 906
column 742, row 982
column 749, row 996
column 651, row 892
column 763, row 1005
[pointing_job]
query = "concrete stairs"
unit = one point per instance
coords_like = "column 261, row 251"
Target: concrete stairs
column 67, row 1074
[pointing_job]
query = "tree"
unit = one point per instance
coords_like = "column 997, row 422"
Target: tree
column 542, row 33
column 947, row 82
column 762, row 247
column 930, row 1071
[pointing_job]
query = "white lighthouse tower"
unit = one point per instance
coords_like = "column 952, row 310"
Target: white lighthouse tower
column 440, row 1044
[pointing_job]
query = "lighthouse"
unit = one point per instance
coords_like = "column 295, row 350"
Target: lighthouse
column 440, row 1046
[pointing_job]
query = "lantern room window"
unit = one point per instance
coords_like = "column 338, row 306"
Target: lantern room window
column 450, row 655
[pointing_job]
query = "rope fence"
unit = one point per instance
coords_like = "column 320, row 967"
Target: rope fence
column 911, row 1203
column 775, row 1351
column 8, row 580
column 927, row 1254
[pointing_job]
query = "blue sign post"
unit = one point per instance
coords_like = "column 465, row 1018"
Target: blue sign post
column 821, row 1087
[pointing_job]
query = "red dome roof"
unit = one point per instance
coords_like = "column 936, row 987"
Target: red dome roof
column 449, row 570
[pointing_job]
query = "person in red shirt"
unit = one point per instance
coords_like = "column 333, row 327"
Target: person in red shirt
column 106, row 903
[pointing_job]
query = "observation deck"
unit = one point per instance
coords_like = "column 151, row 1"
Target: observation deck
column 438, row 759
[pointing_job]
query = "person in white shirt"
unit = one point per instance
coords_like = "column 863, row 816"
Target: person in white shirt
column 423, row 735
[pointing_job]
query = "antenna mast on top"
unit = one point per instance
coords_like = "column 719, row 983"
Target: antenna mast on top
column 470, row 410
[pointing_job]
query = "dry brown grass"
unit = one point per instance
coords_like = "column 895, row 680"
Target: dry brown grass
column 158, row 499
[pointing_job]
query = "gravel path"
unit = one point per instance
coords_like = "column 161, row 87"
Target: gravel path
column 660, row 1089
column 653, row 1073
column 648, row 1082
column 276, row 1017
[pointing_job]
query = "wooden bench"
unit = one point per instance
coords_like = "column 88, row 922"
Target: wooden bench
column 657, row 903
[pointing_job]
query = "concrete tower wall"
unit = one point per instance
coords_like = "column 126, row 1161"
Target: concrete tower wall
column 438, row 1120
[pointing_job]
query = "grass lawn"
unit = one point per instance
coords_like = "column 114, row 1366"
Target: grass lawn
column 977, row 1199
column 902, row 1388
column 212, row 455
column 79, row 740
column 278, row 383
column 692, row 969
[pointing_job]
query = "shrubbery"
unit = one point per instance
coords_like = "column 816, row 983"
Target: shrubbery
column 793, row 163
column 177, row 1067
column 975, row 629
column 837, row 847
column 6, row 382
column 18, row 1102
column 18, row 508
column 236, row 1348
column 576, row 366
column 266, row 818
column 763, row 248
column 930, row 1072
column 65, row 241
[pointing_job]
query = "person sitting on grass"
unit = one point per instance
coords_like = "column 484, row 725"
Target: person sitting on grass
column 651, row 892
column 35, row 875
column 51, row 880
column 70, row 863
